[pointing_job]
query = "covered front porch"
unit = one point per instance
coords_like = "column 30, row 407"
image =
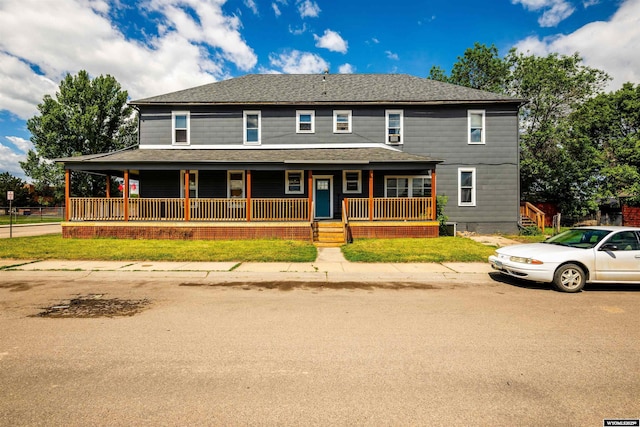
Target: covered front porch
column 383, row 200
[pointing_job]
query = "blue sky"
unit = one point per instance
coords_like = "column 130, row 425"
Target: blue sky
column 158, row 46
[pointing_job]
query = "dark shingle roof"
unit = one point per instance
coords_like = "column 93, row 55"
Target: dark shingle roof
column 271, row 156
column 327, row 89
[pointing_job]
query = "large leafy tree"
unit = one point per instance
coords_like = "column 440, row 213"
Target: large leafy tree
column 87, row 116
column 554, row 168
column 609, row 124
column 480, row 67
column 21, row 195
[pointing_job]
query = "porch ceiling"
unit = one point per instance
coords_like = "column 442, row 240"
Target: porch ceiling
column 257, row 159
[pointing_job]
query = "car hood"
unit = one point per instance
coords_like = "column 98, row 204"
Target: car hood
column 542, row 251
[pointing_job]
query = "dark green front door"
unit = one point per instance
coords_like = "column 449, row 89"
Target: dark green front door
column 322, row 197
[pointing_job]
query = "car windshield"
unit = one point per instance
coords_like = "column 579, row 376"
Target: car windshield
column 584, row 238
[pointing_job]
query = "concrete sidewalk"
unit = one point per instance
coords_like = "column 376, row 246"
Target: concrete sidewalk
column 329, row 266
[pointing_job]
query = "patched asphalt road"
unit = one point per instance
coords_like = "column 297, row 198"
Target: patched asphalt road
column 488, row 353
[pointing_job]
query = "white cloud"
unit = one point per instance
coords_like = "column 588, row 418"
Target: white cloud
column 611, row 45
column 554, row 11
column 276, row 9
column 21, row 144
column 296, row 62
column 298, row 31
column 391, row 55
column 308, row 8
column 346, row 69
column 332, row 41
column 10, row 161
column 251, row 4
column 65, row 36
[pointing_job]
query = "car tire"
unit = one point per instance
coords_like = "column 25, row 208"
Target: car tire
column 569, row 278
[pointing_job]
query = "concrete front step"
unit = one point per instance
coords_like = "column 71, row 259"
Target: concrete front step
column 327, row 244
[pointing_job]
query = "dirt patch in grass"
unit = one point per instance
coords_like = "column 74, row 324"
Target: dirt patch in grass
column 94, row 305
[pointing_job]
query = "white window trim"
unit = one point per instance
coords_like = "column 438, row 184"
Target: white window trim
column 313, row 121
column 349, row 114
column 286, row 182
column 484, row 127
column 473, row 187
column 386, row 127
column 244, row 183
column 173, row 127
column 344, row 182
column 244, row 127
column 410, row 184
column 182, row 183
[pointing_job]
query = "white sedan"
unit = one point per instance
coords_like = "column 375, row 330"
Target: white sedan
column 575, row 257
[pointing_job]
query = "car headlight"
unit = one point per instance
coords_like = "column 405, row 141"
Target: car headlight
column 524, row 260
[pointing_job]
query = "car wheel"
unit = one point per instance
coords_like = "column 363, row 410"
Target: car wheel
column 569, row 278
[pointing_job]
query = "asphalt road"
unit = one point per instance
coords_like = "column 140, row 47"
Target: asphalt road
column 488, row 353
column 29, row 230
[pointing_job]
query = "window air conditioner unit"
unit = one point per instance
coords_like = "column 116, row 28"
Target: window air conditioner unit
column 394, row 138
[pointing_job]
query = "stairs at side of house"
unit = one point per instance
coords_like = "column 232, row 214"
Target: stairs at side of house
column 526, row 222
column 328, row 234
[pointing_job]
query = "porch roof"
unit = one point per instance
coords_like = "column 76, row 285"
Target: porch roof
column 378, row 158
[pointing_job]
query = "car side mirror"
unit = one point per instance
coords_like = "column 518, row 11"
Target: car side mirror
column 609, row 247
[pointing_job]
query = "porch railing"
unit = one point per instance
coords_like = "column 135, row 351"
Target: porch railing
column 173, row 209
column 96, row 209
column 391, row 208
column 280, row 209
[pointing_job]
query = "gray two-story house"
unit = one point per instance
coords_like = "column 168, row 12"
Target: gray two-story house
column 310, row 157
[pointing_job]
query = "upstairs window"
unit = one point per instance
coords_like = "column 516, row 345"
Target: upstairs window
column 394, row 126
column 294, row 182
column 476, row 126
column 305, row 122
column 252, row 126
column 342, row 121
column 180, row 128
column 351, row 182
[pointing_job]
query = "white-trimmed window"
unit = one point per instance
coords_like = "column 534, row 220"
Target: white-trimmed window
column 180, row 128
column 294, row 181
column 466, row 187
column 193, row 184
column 342, row 121
column 476, row 126
column 394, row 124
column 235, row 184
column 407, row 186
column 351, row 182
column 252, row 121
column 305, row 121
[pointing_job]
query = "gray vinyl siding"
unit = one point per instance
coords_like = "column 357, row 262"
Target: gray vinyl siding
column 442, row 134
column 439, row 132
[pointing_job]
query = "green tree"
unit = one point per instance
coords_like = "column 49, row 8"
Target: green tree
column 21, row 195
column 480, row 67
column 552, row 166
column 87, row 116
column 610, row 125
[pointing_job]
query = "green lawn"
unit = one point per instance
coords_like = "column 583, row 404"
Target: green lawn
column 442, row 249
column 28, row 219
column 55, row 247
